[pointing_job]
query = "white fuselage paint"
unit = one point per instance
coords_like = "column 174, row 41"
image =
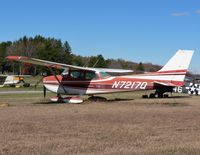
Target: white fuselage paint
column 158, row 77
column 119, row 84
column 71, row 91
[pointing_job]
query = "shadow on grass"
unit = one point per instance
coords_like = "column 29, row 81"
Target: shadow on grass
column 119, row 99
column 96, row 99
column 170, row 97
column 180, row 97
column 48, row 102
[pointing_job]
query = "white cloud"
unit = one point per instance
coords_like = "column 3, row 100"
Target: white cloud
column 178, row 14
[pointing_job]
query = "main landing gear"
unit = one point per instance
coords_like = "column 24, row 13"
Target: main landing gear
column 156, row 95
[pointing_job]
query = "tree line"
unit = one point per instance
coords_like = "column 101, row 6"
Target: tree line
column 52, row 49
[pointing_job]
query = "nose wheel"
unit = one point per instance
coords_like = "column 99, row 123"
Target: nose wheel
column 68, row 99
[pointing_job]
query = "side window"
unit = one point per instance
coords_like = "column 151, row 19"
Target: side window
column 77, row 74
column 90, row 75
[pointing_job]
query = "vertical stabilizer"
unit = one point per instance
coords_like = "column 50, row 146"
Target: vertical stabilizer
column 176, row 68
column 179, row 62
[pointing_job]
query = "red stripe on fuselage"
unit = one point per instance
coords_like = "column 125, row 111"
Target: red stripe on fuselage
column 117, row 83
column 172, row 71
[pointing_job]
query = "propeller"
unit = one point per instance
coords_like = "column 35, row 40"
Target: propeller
column 58, row 80
column 44, row 88
column 36, row 85
column 44, row 91
column 38, row 82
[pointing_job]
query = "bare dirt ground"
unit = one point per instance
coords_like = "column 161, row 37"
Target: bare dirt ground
column 139, row 126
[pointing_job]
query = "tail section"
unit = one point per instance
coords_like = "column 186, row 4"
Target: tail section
column 179, row 62
column 176, row 68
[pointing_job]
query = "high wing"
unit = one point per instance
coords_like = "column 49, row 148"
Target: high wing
column 63, row 66
column 2, row 75
column 5, row 75
column 112, row 70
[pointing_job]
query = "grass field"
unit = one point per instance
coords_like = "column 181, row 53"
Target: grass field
column 31, row 125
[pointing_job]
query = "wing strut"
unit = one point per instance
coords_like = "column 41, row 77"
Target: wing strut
column 57, row 80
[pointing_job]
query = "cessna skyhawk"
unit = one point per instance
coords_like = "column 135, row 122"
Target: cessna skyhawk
column 79, row 81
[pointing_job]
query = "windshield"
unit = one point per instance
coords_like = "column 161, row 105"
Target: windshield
column 65, row 72
column 104, row 75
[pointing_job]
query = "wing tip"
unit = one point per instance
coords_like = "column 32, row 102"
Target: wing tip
column 16, row 58
column 13, row 57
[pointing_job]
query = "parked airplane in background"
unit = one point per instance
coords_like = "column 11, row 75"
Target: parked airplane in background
column 13, row 80
column 191, row 86
column 90, row 81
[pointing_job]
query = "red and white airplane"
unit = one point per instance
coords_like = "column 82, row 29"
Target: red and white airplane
column 79, row 81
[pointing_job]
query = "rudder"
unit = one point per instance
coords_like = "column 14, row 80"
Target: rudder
column 179, row 62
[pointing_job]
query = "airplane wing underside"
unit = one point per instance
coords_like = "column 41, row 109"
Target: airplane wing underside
column 164, row 84
column 63, row 66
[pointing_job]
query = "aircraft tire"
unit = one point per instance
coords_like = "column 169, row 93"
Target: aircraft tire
column 160, row 95
column 26, row 84
column 165, row 95
column 152, row 95
column 144, row 96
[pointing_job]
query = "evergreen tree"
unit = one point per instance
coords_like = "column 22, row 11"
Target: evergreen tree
column 140, row 67
column 98, row 62
column 77, row 60
column 52, row 49
column 3, row 48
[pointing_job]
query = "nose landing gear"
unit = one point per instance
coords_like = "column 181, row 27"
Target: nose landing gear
column 69, row 99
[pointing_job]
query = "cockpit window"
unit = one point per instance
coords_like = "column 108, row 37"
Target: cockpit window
column 90, row 75
column 77, row 74
column 81, row 74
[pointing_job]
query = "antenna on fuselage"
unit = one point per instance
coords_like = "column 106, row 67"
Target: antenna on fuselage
column 86, row 64
column 95, row 63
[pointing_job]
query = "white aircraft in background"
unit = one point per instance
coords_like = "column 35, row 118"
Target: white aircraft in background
column 13, row 80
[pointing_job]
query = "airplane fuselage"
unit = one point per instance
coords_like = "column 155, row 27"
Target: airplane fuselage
column 109, row 84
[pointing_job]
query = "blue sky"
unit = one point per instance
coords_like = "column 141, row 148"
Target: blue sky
column 137, row 30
